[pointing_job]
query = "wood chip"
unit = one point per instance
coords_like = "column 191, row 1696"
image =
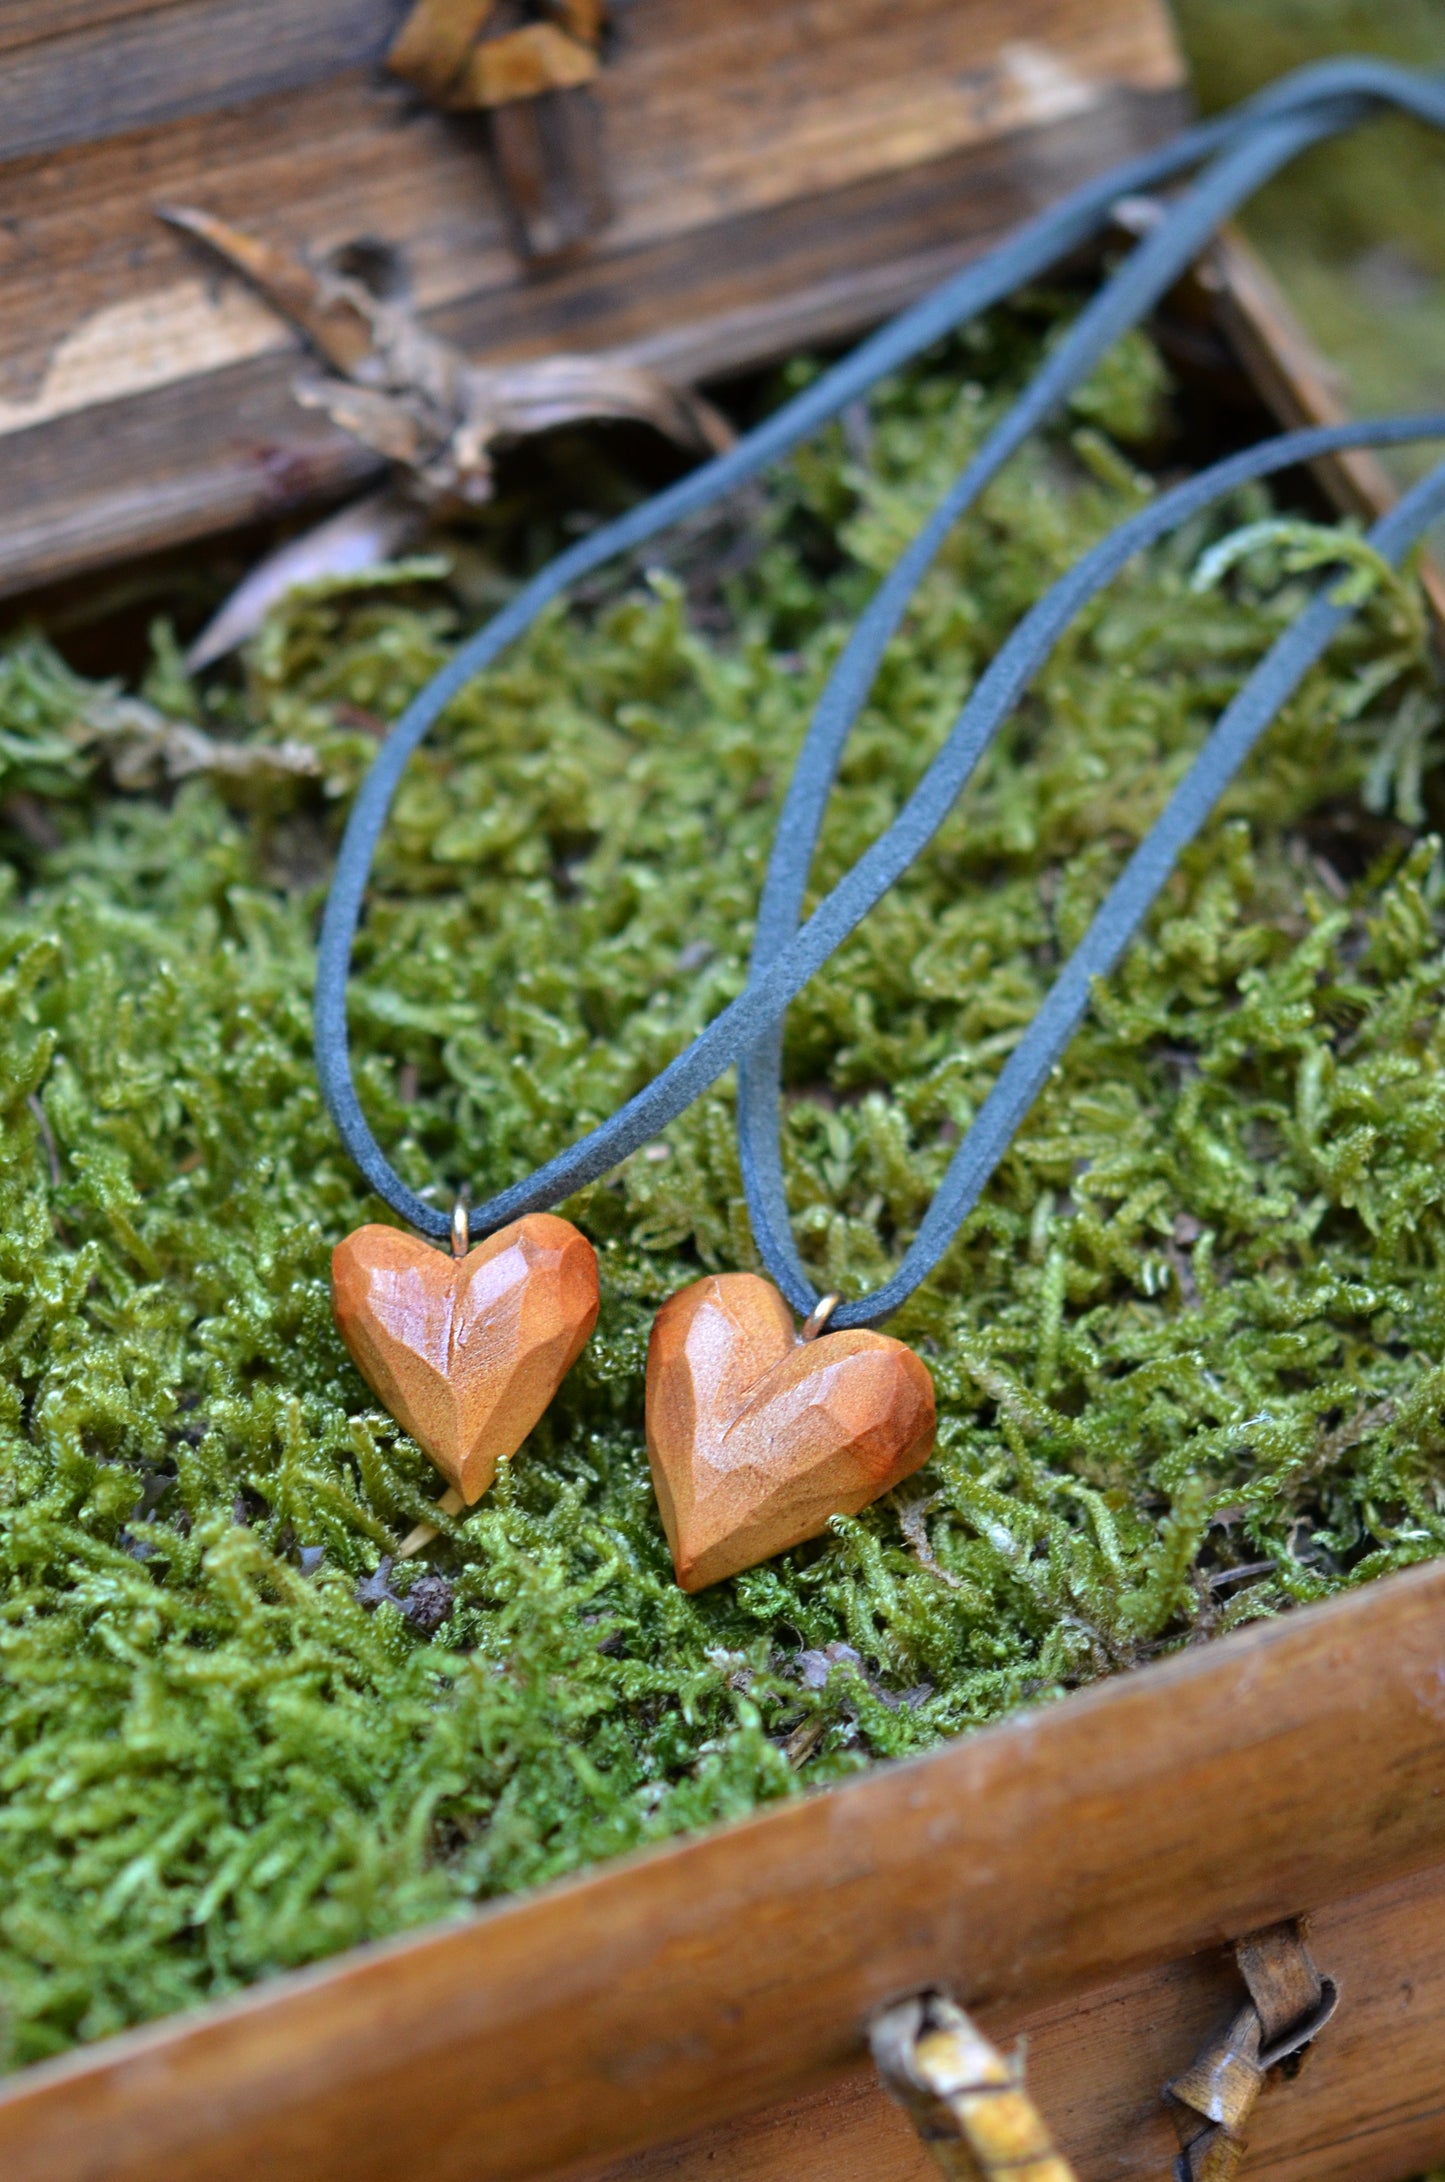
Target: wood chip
column 431, row 48
column 523, row 65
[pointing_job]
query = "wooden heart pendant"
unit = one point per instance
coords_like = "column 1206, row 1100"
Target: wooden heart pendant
column 467, row 1353
column 756, row 1437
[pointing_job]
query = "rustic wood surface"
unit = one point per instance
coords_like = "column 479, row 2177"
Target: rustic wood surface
column 1287, row 1767
column 466, row 1353
column 1368, row 2105
column 836, row 154
column 757, row 1437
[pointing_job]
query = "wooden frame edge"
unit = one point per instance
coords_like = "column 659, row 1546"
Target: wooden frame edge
column 1145, row 1818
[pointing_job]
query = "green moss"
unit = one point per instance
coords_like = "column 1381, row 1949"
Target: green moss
column 1188, row 1349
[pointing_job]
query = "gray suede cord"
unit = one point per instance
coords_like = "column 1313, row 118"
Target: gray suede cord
column 1252, row 142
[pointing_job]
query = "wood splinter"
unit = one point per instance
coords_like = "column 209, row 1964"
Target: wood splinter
column 451, row 1503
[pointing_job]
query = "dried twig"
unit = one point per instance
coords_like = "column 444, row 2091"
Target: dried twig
column 415, row 399
column 144, row 747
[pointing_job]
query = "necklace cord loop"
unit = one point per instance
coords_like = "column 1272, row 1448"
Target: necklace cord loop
column 1252, row 142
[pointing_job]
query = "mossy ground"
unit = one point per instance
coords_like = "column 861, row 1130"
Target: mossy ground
column 1188, row 1350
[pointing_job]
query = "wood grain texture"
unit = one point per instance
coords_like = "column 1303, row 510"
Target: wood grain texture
column 466, row 1354
column 1368, row 2105
column 767, row 131
column 134, row 68
column 1286, row 1767
column 756, row 1438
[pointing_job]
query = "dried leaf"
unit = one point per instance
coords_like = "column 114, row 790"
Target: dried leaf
column 546, row 391
column 515, row 401
column 416, row 400
column 523, row 64
column 363, row 535
column 912, row 1522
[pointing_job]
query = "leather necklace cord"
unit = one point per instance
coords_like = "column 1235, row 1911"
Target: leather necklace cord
column 1152, row 268
column 736, row 1029
column 1239, row 728
column 1306, row 106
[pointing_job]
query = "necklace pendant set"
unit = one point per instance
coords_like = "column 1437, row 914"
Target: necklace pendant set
column 757, row 1434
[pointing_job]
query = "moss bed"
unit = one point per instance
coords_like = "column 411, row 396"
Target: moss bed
column 1188, row 1350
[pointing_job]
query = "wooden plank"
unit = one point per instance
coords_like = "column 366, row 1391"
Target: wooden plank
column 1368, row 2106
column 223, row 447
column 705, row 120
column 23, row 23
column 754, row 128
column 1290, row 1765
column 1297, row 384
column 134, row 69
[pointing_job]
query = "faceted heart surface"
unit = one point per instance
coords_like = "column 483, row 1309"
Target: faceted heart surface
column 466, row 1354
column 756, row 1438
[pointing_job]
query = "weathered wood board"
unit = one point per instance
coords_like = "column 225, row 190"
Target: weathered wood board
column 1051, row 1870
column 776, row 174
column 1368, row 2105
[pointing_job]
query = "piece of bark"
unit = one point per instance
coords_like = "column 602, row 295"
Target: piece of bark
column 966, row 2099
column 758, row 1438
column 466, row 1353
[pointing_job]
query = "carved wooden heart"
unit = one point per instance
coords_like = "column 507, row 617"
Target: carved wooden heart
column 756, row 1438
column 466, row 1354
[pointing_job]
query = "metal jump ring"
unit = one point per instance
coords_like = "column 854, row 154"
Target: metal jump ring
column 461, row 1225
